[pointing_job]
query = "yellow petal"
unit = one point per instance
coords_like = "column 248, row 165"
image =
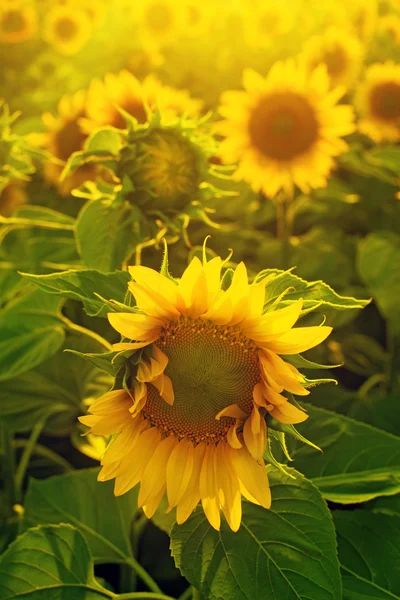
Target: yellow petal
column 287, row 413
column 138, row 459
column 152, row 303
column 154, row 474
column 135, row 327
column 165, row 388
column 229, row 489
column 179, row 471
column 191, row 498
column 110, row 402
column 234, row 411
column 255, row 434
column 281, row 372
column 274, row 323
column 150, row 508
column 134, row 346
column 232, row 437
column 212, row 272
column 208, row 488
column 298, row 340
column 154, row 367
column 253, row 476
column 151, row 279
column 121, row 445
column 188, row 283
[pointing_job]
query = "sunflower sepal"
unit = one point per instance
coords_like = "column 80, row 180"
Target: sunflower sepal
column 270, row 459
column 298, row 361
column 290, row 430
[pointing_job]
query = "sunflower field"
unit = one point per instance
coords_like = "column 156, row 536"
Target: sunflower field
column 199, row 300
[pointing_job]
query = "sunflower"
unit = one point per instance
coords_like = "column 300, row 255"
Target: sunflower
column 267, row 22
column 389, row 25
column 378, row 102
column 159, row 21
column 285, row 129
column 360, row 16
column 341, row 53
column 18, row 22
column 67, row 28
column 64, row 136
column 125, row 91
column 191, row 423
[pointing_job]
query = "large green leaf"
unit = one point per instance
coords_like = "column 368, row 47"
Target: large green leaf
column 104, row 235
column 30, row 332
column 79, row 499
column 82, row 285
column 286, row 552
column 388, row 505
column 358, row 463
column 55, row 389
column 369, row 554
column 314, row 293
column 378, row 265
column 49, row 563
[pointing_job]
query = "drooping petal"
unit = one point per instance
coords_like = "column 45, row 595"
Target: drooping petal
column 152, row 303
column 110, row 402
column 234, row 411
column 228, row 487
column 135, row 327
column 165, row 388
column 154, row 475
column 191, row 497
column 253, row 477
column 179, row 471
column 289, row 378
column 232, row 436
column 273, row 324
column 208, row 488
column 255, row 434
column 151, row 279
column 137, row 460
column 287, row 413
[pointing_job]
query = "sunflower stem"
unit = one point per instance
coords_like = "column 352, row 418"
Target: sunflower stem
column 45, row 452
column 25, row 458
column 188, row 593
column 7, row 464
column 196, row 594
column 284, row 228
column 70, row 325
column 145, row 577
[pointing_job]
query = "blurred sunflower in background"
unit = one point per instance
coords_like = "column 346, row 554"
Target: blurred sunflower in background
column 161, row 21
column 284, row 129
column 340, row 51
column 266, row 23
column 125, row 91
column 389, row 25
column 192, row 422
column 18, row 21
column 378, row 102
column 66, row 28
column 63, row 137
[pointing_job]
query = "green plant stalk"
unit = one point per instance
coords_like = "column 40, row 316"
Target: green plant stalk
column 8, row 465
column 45, row 452
column 25, row 458
column 188, row 593
column 87, row 332
column 284, row 228
column 143, row 596
column 145, row 577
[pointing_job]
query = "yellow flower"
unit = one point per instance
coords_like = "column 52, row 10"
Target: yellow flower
column 390, row 25
column 360, row 16
column 196, row 17
column 341, row 53
column 192, row 424
column 64, row 136
column 18, row 22
column 378, row 102
column 266, row 22
column 67, row 28
column 159, row 21
column 12, row 196
column 124, row 90
column 285, row 129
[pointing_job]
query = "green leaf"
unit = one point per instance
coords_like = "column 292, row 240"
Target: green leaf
column 49, row 563
column 30, row 332
column 315, row 294
column 79, row 499
column 378, row 265
column 104, row 235
column 359, row 462
column 386, row 157
column 57, row 388
column 106, row 139
column 388, row 505
column 369, row 555
column 83, row 285
column 286, row 552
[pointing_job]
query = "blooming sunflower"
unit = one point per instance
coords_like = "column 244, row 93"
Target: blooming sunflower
column 341, row 53
column 191, row 421
column 267, row 22
column 159, row 21
column 67, row 29
column 285, row 129
column 125, row 91
column 378, row 102
column 64, row 136
column 18, row 22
